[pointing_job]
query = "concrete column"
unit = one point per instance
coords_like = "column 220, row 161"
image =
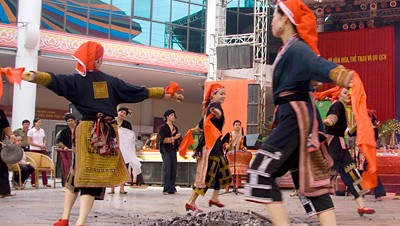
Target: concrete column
column 216, row 26
column 146, row 113
column 24, row 99
column 211, row 24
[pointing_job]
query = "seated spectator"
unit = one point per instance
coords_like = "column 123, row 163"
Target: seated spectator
column 26, row 168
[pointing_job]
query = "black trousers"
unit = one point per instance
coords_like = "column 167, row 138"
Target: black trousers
column 4, row 183
column 170, row 163
column 26, row 171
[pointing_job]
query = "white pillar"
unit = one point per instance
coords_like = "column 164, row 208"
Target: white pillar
column 24, row 99
column 210, row 39
column 216, row 26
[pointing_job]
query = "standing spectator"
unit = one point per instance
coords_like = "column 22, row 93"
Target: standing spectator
column 37, row 143
column 23, row 132
column 65, row 143
column 126, row 140
column 169, row 144
column 5, row 189
column 139, row 143
column 26, row 168
column 138, row 146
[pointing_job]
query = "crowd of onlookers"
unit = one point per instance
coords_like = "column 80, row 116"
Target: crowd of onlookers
column 33, row 139
column 29, row 139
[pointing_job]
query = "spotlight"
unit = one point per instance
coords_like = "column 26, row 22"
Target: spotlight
column 361, row 25
column 393, row 4
column 345, row 26
column 319, row 11
column 370, row 23
column 373, row 6
column 353, row 25
column 363, row 6
column 328, row 9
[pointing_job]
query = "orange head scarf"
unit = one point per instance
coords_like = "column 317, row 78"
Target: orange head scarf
column 304, row 20
column 332, row 93
column 207, row 95
column 86, row 55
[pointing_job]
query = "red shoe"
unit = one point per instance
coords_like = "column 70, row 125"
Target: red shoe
column 47, row 185
column 192, row 207
column 363, row 210
column 61, row 222
column 218, row 204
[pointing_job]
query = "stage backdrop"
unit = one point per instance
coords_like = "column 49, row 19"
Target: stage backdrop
column 235, row 105
column 370, row 52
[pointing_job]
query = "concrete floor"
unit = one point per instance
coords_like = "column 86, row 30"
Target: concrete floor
column 142, row 206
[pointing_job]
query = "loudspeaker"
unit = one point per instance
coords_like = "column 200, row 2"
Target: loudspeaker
column 182, row 175
column 222, row 58
column 252, row 108
column 233, row 57
column 152, row 172
column 253, row 141
column 245, row 56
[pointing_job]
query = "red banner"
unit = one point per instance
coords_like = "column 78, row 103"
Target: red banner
column 42, row 113
column 370, row 52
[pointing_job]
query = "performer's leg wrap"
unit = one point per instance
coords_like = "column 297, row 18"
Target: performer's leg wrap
column 261, row 186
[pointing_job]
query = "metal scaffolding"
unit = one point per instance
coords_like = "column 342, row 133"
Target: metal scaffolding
column 260, row 54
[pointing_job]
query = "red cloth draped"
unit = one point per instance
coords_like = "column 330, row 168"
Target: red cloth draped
column 14, row 76
column 211, row 133
column 185, row 143
column 365, row 133
column 370, row 52
column 332, row 93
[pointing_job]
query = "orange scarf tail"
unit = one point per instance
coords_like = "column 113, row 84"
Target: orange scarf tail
column 173, row 88
column 365, row 133
column 14, row 76
column 211, row 133
column 185, row 143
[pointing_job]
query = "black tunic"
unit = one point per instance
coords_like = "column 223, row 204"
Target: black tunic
column 96, row 92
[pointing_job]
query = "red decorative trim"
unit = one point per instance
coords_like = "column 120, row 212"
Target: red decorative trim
column 66, row 44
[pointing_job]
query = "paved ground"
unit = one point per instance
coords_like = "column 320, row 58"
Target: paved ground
column 142, row 206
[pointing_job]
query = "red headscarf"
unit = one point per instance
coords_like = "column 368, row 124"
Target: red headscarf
column 304, row 20
column 207, row 95
column 86, row 55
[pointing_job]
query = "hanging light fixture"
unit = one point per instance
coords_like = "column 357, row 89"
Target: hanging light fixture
column 363, row 6
column 361, row 25
column 373, row 6
column 345, row 26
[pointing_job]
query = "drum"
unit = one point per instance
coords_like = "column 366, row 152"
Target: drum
column 243, row 159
